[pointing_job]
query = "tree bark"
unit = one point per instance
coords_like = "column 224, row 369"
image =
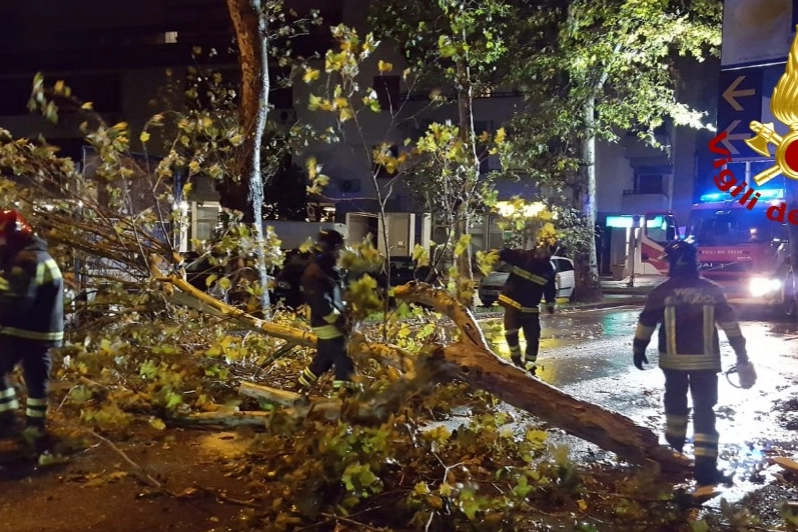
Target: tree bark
column 465, row 117
column 588, row 286
column 471, row 360
column 250, row 29
column 181, row 292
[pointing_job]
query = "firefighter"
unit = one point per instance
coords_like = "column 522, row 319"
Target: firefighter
column 688, row 306
column 321, row 286
column 532, row 277
column 31, row 321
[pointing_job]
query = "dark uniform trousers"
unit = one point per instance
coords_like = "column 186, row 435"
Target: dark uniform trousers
column 689, row 309
column 703, row 388
column 321, row 290
column 330, row 353
column 36, row 363
column 529, row 322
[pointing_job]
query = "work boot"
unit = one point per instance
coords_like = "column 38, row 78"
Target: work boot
column 708, row 474
column 8, row 425
column 346, row 389
column 677, row 444
column 533, row 369
column 517, row 361
column 38, row 438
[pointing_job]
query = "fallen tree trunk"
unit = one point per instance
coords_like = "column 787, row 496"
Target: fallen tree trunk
column 228, row 419
column 609, row 430
column 273, row 395
column 471, row 360
column 189, row 296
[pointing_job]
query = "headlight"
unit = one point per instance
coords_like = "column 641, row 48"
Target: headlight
column 760, row 286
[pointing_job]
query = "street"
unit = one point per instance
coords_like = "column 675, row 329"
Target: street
column 588, row 354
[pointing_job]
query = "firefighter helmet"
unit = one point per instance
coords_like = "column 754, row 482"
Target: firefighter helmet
column 14, row 229
column 682, row 257
column 330, row 240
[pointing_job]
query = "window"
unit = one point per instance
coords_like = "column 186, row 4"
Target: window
column 206, row 216
column 562, row 265
column 725, row 228
column 648, row 183
column 660, row 228
column 387, row 89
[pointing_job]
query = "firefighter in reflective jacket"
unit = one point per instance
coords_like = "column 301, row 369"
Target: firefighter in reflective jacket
column 688, row 307
column 321, row 291
column 31, row 320
column 532, row 277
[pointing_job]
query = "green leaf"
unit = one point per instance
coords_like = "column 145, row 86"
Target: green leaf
column 148, row 369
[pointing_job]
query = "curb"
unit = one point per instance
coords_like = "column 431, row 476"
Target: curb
column 627, row 291
column 633, row 300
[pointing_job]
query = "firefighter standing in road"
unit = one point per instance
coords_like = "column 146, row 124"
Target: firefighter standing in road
column 688, row 307
column 31, row 320
column 532, row 277
column 322, row 292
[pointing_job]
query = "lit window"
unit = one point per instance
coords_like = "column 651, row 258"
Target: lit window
column 170, row 37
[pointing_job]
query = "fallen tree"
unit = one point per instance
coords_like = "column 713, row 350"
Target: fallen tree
column 469, row 360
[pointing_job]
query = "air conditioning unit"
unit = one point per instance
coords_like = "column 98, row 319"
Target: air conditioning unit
column 286, row 116
column 349, row 185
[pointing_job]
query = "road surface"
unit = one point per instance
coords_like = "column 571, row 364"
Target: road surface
column 588, row 354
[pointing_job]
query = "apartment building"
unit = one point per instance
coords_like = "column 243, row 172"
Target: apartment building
column 116, row 55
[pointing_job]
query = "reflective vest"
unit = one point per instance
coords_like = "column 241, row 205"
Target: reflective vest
column 687, row 308
column 529, row 281
column 321, row 290
column 32, row 295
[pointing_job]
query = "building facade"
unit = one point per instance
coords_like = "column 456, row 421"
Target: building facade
column 117, row 55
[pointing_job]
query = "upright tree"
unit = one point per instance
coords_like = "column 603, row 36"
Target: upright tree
column 453, row 46
column 587, row 69
column 263, row 29
column 610, row 66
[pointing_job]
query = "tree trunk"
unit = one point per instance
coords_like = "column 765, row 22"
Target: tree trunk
column 250, row 29
column 588, row 286
column 614, row 432
column 471, row 360
column 465, row 117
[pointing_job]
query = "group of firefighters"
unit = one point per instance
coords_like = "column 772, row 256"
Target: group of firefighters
column 31, row 324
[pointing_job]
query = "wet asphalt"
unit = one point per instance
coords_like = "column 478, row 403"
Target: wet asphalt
column 588, row 354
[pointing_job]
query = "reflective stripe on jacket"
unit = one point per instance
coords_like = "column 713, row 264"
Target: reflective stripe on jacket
column 688, row 309
column 321, row 290
column 530, row 280
column 32, row 295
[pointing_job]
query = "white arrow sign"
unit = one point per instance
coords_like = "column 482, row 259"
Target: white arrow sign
column 737, row 136
column 731, row 93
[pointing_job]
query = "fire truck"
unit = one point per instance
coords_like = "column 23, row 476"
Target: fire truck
column 739, row 248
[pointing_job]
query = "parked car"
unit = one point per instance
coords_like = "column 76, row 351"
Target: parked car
column 491, row 285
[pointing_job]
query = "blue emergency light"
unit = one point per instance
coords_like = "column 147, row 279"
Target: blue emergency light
column 713, row 196
column 764, row 194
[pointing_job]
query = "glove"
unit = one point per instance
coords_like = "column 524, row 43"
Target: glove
column 639, row 358
column 747, row 374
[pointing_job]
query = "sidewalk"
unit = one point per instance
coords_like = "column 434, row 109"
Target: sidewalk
column 642, row 284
